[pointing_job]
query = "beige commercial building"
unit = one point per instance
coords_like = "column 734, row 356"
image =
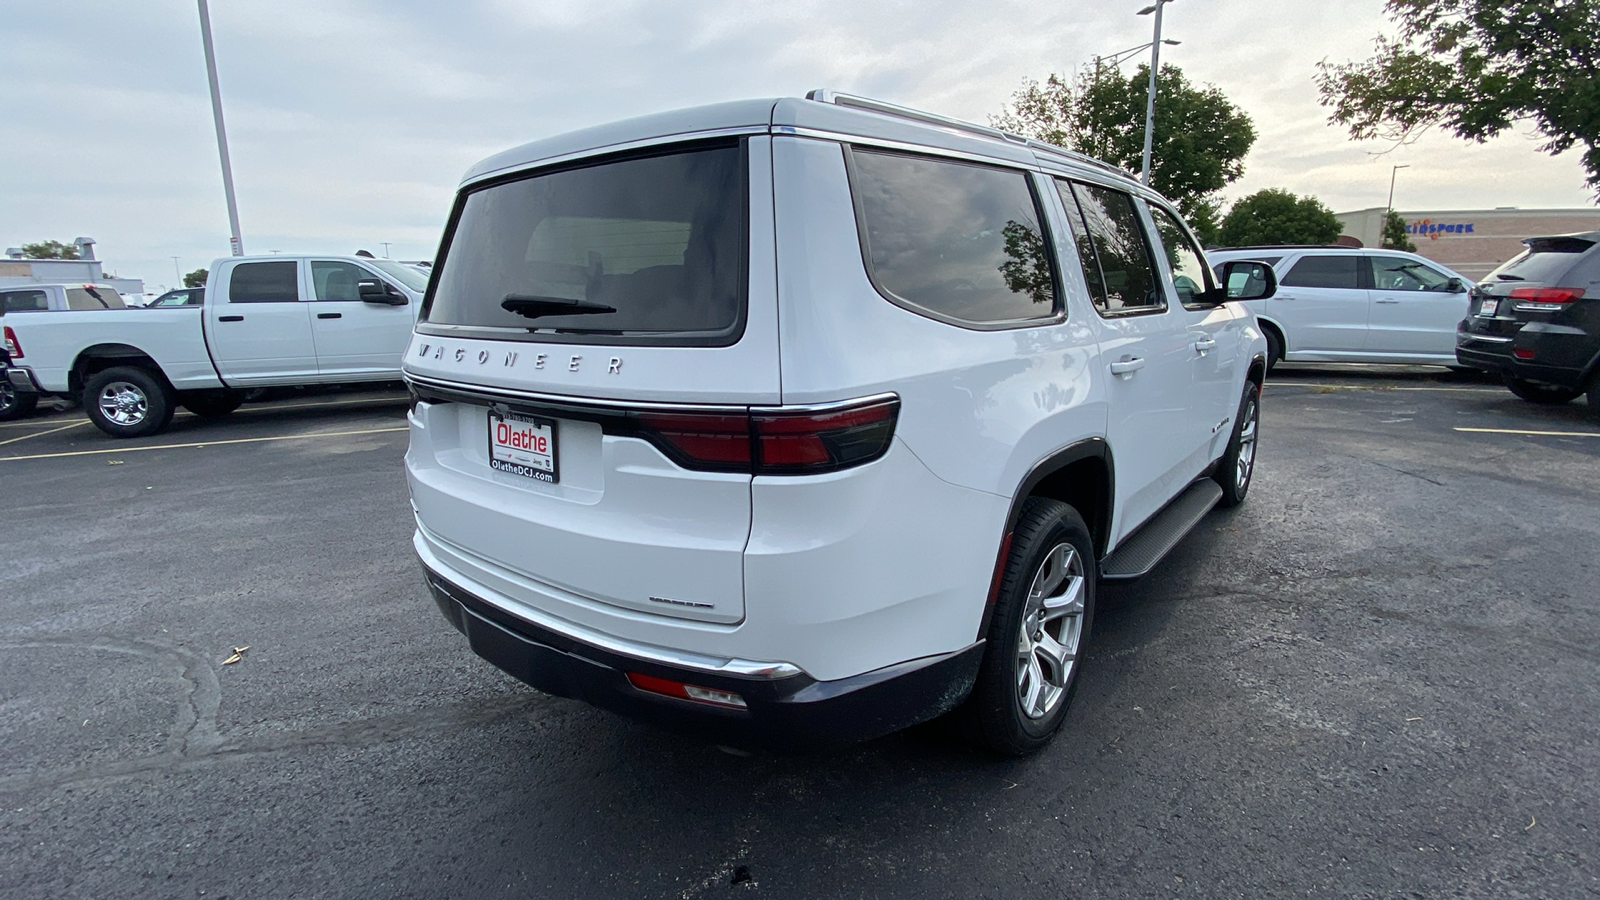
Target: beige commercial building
column 1472, row 242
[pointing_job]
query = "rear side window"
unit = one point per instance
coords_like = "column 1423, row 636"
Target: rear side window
column 90, row 297
column 1116, row 254
column 25, row 301
column 957, row 241
column 1324, row 272
column 646, row 250
column 1546, row 260
column 265, row 282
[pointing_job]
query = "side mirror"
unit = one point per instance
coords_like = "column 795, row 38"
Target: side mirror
column 373, row 290
column 1454, row 286
column 1244, row 279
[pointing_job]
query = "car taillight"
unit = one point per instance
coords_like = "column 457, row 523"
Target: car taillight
column 775, row 441
column 13, row 346
column 668, row 687
column 1547, row 294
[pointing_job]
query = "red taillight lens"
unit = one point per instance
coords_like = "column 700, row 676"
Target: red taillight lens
column 13, row 346
column 1547, row 294
column 774, row 441
column 799, row 442
column 1522, row 353
column 669, row 688
column 716, row 442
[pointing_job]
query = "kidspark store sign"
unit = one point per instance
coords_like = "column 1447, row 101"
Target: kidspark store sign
column 1434, row 230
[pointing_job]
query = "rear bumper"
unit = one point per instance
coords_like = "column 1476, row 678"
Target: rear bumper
column 786, row 709
column 1560, row 356
column 22, row 380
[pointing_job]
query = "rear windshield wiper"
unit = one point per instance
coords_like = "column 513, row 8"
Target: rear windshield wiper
column 532, row 306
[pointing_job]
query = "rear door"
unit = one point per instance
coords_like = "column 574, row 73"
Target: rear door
column 571, row 311
column 258, row 328
column 1412, row 307
column 1216, row 331
column 355, row 338
column 1146, row 345
column 1322, row 304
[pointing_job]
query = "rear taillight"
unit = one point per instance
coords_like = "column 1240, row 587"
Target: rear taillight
column 1547, row 294
column 667, row 687
column 13, row 346
column 775, row 441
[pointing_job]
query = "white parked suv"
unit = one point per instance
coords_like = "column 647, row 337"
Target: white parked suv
column 801, row 421
column 1346, row 304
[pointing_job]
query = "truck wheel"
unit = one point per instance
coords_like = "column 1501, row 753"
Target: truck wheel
column 14, row 405
column 1238, row 464
column 1274, row 346
column 211, row 404
column 1543, row 394
column 1039, row 630
column 126, row 402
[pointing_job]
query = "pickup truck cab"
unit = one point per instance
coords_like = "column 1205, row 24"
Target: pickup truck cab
column 49, row 297
column 264, row 322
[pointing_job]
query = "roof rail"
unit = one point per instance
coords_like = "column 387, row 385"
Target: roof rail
column 823, row 95
column 1295, row 247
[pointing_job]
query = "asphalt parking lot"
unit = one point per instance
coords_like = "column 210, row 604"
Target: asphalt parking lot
column 1376, row 678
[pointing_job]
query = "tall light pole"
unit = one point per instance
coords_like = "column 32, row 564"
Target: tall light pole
column 1150, row 104
column 235, row 240
column 1392, row 173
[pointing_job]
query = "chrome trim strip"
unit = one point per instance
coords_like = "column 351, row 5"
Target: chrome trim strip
column 616, row 148
column 1487, row 338
column 682, row 659
column 490, row 393
column 840, row 137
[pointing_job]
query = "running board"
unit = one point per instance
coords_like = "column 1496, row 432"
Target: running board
column 1156, row 538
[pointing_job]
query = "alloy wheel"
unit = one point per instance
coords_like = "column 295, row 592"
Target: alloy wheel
column 1051, row 630
column 124, row 403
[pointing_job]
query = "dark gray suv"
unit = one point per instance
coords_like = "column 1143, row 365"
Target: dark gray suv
column 1536, row 321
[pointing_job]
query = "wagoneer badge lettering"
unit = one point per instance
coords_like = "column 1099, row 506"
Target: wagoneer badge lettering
column 694, row 603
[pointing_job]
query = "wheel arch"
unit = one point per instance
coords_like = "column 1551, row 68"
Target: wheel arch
column 1277, row 328
column 99, row 357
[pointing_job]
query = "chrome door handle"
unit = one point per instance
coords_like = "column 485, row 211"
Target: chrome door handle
column 1201, row 346
column 1386, row 300
column 1127, row 365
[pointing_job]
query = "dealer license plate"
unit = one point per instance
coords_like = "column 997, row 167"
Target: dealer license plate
column 523, row 445
column 1489, row 308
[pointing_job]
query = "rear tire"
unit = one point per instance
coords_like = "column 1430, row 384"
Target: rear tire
column 1542, row 394
column 1038, row 633
column 211, row 404
column 14, row 405
column 1238, row 465
column 126, row 401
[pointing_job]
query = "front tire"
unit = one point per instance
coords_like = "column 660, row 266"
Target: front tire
column 14, row 405
column 1039, row 631
column 1542, row 394
column 1238, row 464
column 125, row 402
column 1274, row 347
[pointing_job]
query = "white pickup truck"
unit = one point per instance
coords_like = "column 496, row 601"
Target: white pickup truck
column 265, row 322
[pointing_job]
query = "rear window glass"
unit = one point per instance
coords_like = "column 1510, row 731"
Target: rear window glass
column 26, row 301
column 1117, row 257
column 645, row 251
column 958, row 240
column 89, row 297
column 265, row 282
column 1324, row 272
column 1546, row 260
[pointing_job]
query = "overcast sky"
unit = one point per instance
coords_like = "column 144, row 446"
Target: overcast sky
column 351, row 121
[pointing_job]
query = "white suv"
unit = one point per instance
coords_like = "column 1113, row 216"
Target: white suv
column 1345, row 304
column 801, row 421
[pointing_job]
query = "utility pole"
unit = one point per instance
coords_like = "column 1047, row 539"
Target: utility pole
column 385, row 248
column 235, row 240
column 176, row 273
column 1392, row 172
column 1150, row 104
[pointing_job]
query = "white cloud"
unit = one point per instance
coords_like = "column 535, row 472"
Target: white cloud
column 351, row 120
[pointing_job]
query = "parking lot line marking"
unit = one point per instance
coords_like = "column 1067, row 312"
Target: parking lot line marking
column 1592, row 434
column 255, row 440
column 42, row 433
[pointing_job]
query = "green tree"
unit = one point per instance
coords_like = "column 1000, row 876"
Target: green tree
column 50, row 250
column 1200, row 137
column 1394, row 233
column 197, row 278
column 1476, row 67
column 1276, row 216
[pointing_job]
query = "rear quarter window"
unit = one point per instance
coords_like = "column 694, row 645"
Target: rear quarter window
column 952, row 240
column 1325, row 272
column 653, row 248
